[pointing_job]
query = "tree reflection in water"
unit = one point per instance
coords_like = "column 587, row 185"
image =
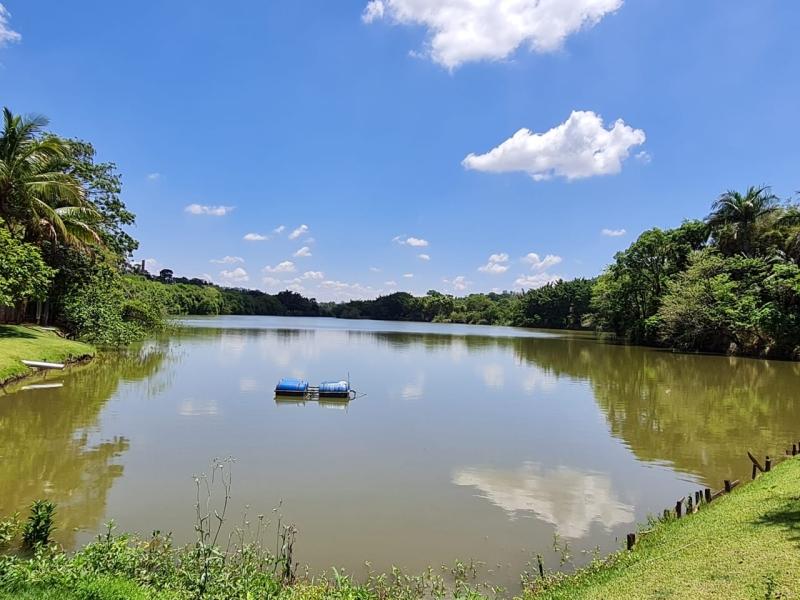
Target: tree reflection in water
column 699, row 414
column 46, row 440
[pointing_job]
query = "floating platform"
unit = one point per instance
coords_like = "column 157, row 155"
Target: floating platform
column 298, row 391
column 334, row 389
column 291, row 387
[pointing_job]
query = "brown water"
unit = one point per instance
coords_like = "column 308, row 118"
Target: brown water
column 471, row 442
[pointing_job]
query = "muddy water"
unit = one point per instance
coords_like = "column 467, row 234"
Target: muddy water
column 466, row 442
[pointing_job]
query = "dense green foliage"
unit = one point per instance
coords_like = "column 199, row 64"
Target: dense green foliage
column 205, row 299
column 63, row 241
column 563, row 304
column 23, row 273
column 730, row 284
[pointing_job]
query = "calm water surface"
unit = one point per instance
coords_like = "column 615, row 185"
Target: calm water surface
column 470, row 442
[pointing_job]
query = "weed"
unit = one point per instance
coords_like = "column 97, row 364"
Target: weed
column 39, row 526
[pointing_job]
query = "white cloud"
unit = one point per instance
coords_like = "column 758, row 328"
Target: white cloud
column 460, row 283
column 286, row 266
column 227, row 260
column 255, row 237
column 408, row 275
column 279, row 229
column 410, row 241
column 303, row 252
column 7, row 35
column 644, row 157
column 313, row 275
column 203, row 209
column 530, row 282
column 613, row 232
column 580, row 147
column 496, row 264
column 237, row 275
column 339, row 290
column 423, row 257
column 375, row 269
column 461, row 31
column 541, row 264
column 153, row 176
column 390, row 283
column 298, row 232
column 271, row 281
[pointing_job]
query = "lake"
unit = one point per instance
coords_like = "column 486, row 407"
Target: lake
column 466, row 442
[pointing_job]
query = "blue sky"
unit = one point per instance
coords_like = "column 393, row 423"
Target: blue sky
column 356, row 118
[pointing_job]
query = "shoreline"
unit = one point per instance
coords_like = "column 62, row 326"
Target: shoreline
column 742, row 545
column 31, row 342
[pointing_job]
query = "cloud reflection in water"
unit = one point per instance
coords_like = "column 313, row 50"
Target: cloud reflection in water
column 569, row 499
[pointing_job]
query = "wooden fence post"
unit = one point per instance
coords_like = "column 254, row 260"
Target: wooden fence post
column 708, row 495
column 631, row 540
column 679, row 508
column 727, row 485
column 767, row 464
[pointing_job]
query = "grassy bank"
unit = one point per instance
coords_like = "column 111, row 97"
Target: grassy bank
column 743, row 545
column 18, row 342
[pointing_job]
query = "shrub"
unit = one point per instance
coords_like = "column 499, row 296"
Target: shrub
column 37, row 530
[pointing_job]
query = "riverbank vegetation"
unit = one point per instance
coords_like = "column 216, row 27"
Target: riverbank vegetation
column 727, row 284
column 33, row 343
column 743, row 545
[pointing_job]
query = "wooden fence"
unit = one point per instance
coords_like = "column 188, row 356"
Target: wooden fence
column 691, row 503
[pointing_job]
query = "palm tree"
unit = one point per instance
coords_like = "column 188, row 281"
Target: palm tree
column 38, row 198
column 734, row 216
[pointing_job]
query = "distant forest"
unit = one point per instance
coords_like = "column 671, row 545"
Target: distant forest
column 729, row 283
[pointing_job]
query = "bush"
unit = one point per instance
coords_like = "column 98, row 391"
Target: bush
column 107, row 311
column 39, row 527
column 23, row 273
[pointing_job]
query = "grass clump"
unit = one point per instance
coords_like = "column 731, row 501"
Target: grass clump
column 20, row 342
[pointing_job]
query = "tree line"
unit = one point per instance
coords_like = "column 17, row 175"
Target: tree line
column 729, row 283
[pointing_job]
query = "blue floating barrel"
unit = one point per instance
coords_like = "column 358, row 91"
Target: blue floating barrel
column 334, row 389
column 291, row 387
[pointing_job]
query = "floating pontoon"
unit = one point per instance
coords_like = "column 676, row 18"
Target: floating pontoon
column 291, row 387
column 334, row 389
column 299, row 391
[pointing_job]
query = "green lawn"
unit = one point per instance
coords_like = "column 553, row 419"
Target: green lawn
column 744, row 545
column 19, row 342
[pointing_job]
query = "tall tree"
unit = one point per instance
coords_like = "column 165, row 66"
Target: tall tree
column 734, row 217
column 38, row 199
